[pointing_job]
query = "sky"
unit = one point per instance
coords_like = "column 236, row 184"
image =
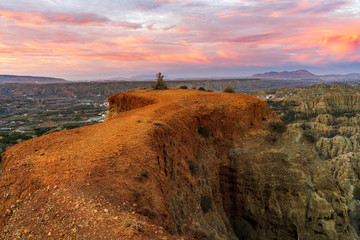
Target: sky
column 105, row 39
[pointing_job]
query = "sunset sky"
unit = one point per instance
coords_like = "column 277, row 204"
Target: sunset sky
column 102, row 39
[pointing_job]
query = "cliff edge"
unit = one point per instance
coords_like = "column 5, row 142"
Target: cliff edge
column 169, row 165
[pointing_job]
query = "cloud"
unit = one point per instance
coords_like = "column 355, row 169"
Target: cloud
column 176, row 35
column 341, row 44
column 53, row 18
column 256, row 37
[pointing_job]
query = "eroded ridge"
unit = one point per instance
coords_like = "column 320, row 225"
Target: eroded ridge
column 172, row 164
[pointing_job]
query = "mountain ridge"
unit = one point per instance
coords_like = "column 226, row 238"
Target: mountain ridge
column 305, row 75
column 30, row 79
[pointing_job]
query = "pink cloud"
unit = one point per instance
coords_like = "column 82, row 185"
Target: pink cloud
column 183, row 33
column 341, row 44
column 49, row 18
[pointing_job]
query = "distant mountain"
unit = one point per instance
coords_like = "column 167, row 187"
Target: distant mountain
column 306, row 75
column 298, row 75
column 30, row 79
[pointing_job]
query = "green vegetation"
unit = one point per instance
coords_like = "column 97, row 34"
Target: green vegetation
column 160, row 84
column 229, row 89
column 73, row 125
column 201, row 89
column 41, row 131
column 183, row 87
column 13, row 139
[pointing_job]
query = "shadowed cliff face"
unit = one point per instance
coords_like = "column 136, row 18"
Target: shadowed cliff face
column 171, row 164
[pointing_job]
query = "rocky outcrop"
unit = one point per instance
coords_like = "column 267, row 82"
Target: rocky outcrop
column 173, row 164
column 329, row 117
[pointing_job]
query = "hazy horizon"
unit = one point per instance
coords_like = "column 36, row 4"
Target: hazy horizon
column 91, row 40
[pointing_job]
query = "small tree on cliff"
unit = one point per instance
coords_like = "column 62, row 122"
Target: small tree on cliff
column 160, row 84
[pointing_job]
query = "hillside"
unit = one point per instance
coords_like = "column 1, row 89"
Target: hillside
column 171, row 165
column 101, row 90
column 299, row 74
column 29, row 79
column 105, row 89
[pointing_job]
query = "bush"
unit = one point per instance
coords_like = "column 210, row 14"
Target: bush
column 41, row 131
column 160, row 83
column 193, row 166
column 13, row 139
column 206, row 203
column 201, row 89
column 183, row 87
column 278, row 126
column 205, row 131
column 229, row 89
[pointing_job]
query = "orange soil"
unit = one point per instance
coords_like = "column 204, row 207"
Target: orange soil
column 90, row 182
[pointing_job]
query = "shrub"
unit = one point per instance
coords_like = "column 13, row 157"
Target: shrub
column 229, row 89
column 201, row 89
column 277, row 126
column 193, row 166
column 160, row 83
column 144, row 174
column 183, row 87
column 205, row 131
column 205, row 203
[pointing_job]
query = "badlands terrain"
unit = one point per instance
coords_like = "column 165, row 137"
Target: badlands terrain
column 184, row 164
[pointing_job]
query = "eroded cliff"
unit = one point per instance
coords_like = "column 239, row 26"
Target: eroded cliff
column 172, row 164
